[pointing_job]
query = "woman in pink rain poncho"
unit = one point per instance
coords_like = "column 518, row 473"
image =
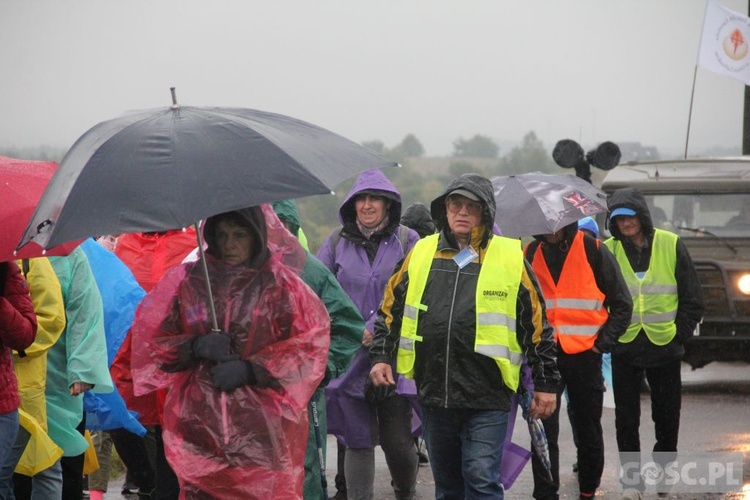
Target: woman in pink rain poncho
column 235, row 418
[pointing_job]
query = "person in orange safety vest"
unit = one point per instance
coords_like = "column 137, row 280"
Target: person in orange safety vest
column 589, row 306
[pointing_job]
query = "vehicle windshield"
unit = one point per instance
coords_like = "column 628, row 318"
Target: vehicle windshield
column 725, row 215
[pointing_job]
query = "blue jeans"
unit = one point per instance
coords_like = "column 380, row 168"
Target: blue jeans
column 465, row 448
column 8, row 433
column 9, row 466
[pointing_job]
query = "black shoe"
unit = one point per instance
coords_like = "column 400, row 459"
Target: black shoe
column 423, row 459
column 575, row 467
column 129, row 488
column 340, row 495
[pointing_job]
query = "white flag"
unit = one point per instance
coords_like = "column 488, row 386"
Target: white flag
column 724, row 43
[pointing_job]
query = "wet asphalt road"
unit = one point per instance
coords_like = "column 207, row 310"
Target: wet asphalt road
column 715, row 417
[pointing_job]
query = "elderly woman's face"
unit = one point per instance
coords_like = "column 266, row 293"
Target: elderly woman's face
column 370, row 209
column 235, row 243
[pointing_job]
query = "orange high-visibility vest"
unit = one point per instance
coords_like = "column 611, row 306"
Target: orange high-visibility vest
column 575, row 305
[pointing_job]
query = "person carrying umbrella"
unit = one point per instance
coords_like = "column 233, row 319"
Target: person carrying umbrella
column 458, row 316
column 346, row 336
column 235, row 416
column 589, row 306
column 668, row 304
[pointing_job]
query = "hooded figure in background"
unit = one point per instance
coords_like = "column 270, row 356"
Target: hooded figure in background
column 667, row 305
column 362, row 254
column 235, row 417
column 417, row 216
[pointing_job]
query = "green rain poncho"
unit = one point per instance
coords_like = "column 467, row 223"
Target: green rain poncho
column 347, row 327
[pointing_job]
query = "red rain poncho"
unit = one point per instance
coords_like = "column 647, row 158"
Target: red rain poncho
column 249, row 442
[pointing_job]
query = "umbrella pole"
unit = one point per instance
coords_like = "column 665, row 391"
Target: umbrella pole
column 211, row 308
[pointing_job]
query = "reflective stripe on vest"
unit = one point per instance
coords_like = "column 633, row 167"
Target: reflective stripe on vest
column 655, row 296
column 575, row 305
column 495, row 301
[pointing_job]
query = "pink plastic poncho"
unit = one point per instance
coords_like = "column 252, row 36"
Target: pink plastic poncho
column 249, row 442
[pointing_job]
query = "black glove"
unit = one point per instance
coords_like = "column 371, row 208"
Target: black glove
column 232, row 374
column 214, row 346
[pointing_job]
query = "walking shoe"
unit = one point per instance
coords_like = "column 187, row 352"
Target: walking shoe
column 340, row 495
column 129, row 488
column 423, row 459
column 631, row 494
column 575, row 467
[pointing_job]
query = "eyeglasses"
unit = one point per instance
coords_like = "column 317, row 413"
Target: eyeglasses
column 455, row 204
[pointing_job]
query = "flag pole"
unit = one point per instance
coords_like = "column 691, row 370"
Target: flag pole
column 690, row 112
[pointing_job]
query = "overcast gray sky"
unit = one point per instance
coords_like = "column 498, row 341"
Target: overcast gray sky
column 591, row 70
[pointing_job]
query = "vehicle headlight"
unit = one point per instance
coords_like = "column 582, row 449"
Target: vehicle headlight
column 743, row 283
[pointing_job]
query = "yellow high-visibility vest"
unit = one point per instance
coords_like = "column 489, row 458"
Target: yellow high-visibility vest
column 496, row 298
column 655, row 295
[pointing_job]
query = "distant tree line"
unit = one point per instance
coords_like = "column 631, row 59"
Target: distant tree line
column 479, row 154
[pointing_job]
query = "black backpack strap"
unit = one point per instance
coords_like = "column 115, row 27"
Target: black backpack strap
column 25, row 267
column 531, row 250
column 591, row 246
column 403, row 237
column 335, row 237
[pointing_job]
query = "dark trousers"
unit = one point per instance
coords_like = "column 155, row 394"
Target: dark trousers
column 72, row 471
column 340, row 479
column 665, row 382
column 581, row 374
column 132, row 451
column 167, row 485
column 666, row 399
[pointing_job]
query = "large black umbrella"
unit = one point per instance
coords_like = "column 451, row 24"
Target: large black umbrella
column 537, row 203
column 168, row 168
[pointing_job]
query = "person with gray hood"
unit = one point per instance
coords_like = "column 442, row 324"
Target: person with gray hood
column 667, row 306
column 458, row 316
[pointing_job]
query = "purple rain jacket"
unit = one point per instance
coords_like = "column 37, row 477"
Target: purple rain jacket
column 363, row 267
column 362, row 280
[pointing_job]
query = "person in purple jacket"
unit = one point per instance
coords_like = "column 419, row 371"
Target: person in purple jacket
column 363, row 254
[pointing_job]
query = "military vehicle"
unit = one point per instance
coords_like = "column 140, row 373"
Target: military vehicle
column 707, row 203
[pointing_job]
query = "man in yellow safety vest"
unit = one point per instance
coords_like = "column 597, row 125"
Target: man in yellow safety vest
column 667, row 305
column 459, row 315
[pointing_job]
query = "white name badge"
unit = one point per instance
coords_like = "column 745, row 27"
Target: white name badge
column 465, row 256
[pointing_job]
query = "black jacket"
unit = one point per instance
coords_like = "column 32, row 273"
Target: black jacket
column 608, row 279
column 690, row 306
column 448, row 373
